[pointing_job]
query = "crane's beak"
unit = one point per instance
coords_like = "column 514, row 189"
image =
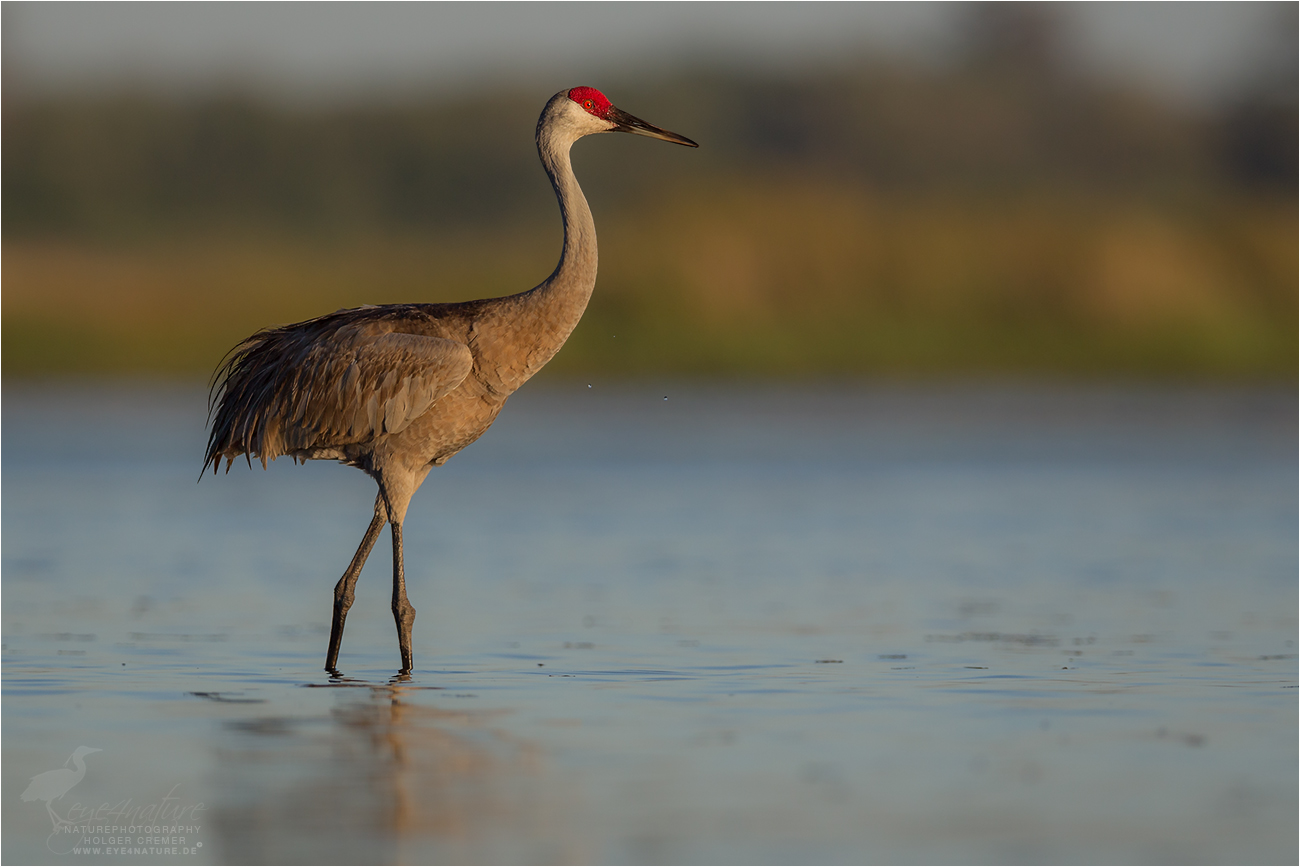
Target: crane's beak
column 627, row 123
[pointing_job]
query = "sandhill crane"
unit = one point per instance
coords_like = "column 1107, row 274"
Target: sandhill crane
column 52, row 785
column 396, row 390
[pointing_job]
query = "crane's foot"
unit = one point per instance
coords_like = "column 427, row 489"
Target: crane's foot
column 404, row 614
column 336, row 633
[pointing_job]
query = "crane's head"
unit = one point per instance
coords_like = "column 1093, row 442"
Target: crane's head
column 585, row 110
column 595, row 103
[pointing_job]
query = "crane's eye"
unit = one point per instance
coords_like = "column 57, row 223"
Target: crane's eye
column 588, row 104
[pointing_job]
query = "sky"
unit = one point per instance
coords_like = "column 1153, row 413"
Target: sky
column 1191, row 52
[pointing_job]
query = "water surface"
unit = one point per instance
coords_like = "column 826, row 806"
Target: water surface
column 788, row 624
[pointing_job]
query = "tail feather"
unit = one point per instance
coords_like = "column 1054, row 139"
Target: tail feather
column 244, row 391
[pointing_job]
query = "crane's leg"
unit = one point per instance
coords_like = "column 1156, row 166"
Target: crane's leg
column 403, row 610
column 343, row 590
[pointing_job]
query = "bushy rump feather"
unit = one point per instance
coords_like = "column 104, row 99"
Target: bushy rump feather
column 326, row 383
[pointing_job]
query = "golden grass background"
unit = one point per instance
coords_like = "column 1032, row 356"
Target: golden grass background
column 784, row 279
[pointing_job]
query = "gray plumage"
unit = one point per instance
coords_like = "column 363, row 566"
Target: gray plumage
column 398, row 389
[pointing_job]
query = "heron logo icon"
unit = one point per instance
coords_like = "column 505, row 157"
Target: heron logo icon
column 52, row 785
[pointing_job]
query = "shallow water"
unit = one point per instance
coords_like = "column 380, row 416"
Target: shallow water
column 814, row 625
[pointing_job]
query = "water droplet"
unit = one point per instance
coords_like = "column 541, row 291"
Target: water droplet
column 589, row 385
column 665, row 397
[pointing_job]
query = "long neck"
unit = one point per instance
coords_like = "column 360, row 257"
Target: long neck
column 529, row 328
column 565, row 293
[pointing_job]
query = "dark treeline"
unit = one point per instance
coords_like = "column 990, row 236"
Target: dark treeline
column 1003, row 117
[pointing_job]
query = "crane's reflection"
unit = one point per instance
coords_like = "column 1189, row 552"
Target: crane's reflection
column 386, row 776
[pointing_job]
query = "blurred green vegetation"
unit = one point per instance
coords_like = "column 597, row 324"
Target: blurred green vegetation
column 994, row 215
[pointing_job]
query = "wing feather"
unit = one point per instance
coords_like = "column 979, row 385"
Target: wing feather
column 301, row 388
